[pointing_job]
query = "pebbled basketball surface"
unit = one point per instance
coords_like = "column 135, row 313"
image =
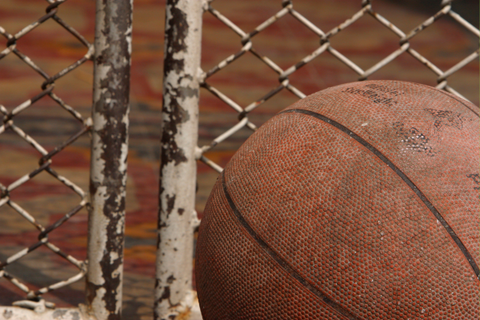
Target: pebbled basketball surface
column 358, row 202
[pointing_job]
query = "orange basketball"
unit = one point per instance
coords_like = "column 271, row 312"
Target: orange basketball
column 358, row 202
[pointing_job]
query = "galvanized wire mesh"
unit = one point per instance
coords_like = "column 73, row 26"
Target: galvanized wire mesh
column 46, row 155
column 366, row 7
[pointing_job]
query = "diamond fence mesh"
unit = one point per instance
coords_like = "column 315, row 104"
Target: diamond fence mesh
column 12, row 128
column 248, row 47
column 46, row 136
column 242, row 87
column 325, row 46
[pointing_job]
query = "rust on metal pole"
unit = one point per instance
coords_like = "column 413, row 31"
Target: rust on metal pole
column 113, row 35
column 177, row 216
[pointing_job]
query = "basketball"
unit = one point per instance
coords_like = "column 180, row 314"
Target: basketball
column 360, row 201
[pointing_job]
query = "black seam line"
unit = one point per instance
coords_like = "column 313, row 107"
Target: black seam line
column 335, row 306
column 403, row 176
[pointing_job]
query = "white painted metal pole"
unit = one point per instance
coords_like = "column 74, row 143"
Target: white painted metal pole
column 173, row 295
column 108, row 173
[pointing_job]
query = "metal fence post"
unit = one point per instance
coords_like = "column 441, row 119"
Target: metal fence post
column 108, row 174
column 177, row 160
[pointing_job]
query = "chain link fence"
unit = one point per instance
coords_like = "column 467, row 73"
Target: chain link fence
column 183, row 81
column 39, row 204
column 227, row 112
column 325, row 37
column 45, row 154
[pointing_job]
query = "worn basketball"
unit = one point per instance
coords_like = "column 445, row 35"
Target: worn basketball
column 358, row 202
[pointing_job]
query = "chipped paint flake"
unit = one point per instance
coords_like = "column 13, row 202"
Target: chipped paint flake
column 108, row 159
column 178, row 164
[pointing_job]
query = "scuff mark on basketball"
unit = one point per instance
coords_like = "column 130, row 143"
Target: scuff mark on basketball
column 446, row 118
column 413, row 139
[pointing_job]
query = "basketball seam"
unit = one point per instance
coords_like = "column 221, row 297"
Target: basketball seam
column 281, row 262
column 403, row 176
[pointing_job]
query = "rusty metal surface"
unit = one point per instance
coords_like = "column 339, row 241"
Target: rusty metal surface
column 38, row 311
column 177, row 217
column 108, row 172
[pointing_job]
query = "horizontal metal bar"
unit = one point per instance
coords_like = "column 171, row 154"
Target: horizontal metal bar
column 18, row 313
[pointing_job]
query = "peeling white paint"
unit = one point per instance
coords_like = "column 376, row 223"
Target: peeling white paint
column 108, row 167
column 96, row 171
column 99, row 121
column 128, row 38
column 17, row 313
column 99, row 305
column 98, row 235
column 174, row 254
column 113, row 256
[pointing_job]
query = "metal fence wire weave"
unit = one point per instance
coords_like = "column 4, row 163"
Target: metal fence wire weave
column 46, row 158
column 324, row 46
column 180, row 113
